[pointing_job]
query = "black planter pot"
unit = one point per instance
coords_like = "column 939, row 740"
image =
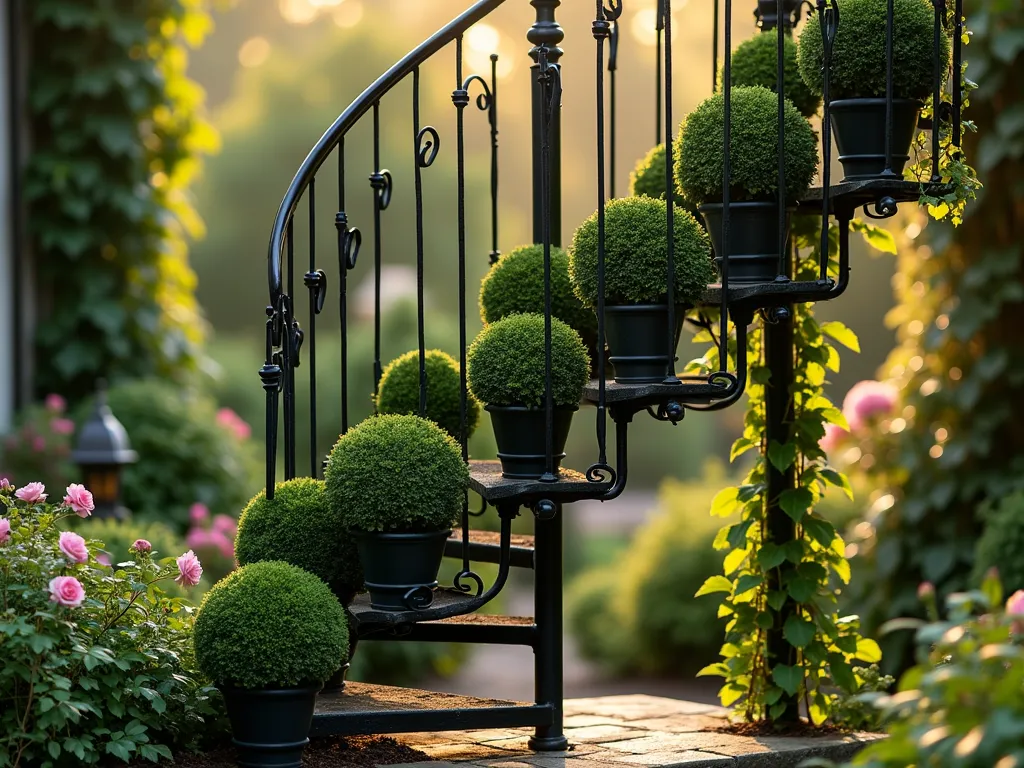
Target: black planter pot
column 520, row 433
column 637, row 343
column 753, row 249
column 270, row 727
column 401, row 568
column 859, row 128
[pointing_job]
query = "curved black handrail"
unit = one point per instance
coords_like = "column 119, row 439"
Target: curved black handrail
column 323, row 148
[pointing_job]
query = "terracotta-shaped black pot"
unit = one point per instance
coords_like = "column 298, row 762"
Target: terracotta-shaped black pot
column 401, row 568
column 637, row 337
column 270, row 727
column 520, row 433
column 753, row 247
column 859, row 128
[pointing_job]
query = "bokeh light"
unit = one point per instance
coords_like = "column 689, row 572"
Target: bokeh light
column 254, row 52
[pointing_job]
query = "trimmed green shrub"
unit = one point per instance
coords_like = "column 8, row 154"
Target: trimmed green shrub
column 396, row 473
column 299, row 527
column 270, row 625
column 119, row 535
column 399, row 391
column 755, row 62
column 858, row 54
column 753, row 157
column 515, row 285
column 1002, row 542
column 648, row 178
column 507, row 362
column 636, row 254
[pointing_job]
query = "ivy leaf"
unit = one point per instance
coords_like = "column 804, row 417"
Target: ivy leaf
column 842, row 672
column 795, row 502
column 718, row 669
column 738, row 534
column 771, row 556
column 868, row 650
column 782, row 456
column 822, row 531
column 772, row 695
column 878, row 238
column 714, row 584
column 748, row 582
column 765, row 620
column 798, row 631
column 842, row 334
column 788, row 678
column 776, row 599
column 725, row 502
column 801, row 589
column 839, row 480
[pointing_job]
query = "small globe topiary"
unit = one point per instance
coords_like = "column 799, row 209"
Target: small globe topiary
column 756, row 62
column 753, row 156
column 858, row 54
column 636, row 254
column 1001, row 544
column 396, row 473
column 399, row 391
column 507, row 362
column 648, row 178
column 515, row 285
column 299, row 527
column 270, row 625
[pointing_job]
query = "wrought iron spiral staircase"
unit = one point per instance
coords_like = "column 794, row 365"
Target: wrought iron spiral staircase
column 452, row 615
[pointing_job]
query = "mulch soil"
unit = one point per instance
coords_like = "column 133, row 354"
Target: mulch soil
column 800, row 728
column 328, row 752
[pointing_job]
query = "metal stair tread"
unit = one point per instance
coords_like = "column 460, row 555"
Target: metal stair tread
column 485, row 478
column 620, row 392
column 487, row 619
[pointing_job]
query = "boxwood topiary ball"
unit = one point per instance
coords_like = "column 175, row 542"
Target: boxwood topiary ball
column 858, row 54
column 298, row 526
column 636, row 254
column 753, row 155
column 270, row 625
column 515, row 285
column 506, row 362
column 396, row 473
column 648, row 178
column 399, row 391
column 755, row 62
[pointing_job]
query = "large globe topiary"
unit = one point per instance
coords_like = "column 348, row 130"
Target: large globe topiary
column 756, row 62
column 636, row 254
column 399, row 391
column 753, row 155
column 396, row 473
column 858, row 54
column 515, row 285
column 270, row 625
column 507, row 362
column 648, row 178
column 298, row 526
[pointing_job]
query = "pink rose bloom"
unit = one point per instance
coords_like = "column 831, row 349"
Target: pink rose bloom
column 5, row 484
column 197, row 538
column 141, row 545
column 73, row 547
column 1015, row 603
column 223, row 544
column 232, row 421
column 5, row 530
column 834, row 435
column 103, row 559
column 198, row 512
column 225, row 524
column 925, row 590
column 62, row 426
column 79, row 499
column 66, row 591
column 189, row 569
column 32, row 493
column 867, row 400
column 55, row 403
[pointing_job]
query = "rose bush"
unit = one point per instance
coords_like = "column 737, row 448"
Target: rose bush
column 97, row 661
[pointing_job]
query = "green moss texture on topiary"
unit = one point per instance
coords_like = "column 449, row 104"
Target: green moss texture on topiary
column 270, row 625
column 636, row 254
column 858, row 54
column 399, row 391
column 515, row 285
column 507, row 362
column 396, row 473
column 756, row 62
column 298, row 526
column 753, row 146
column 648, row 178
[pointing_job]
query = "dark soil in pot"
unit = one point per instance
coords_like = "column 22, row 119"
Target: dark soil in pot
column 520, row 433
column 401, row 568
column 270, row 727
column 859, row 128
column 753, row 248
column 638, row 341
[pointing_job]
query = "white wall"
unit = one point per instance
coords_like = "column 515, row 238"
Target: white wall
column 9, row 368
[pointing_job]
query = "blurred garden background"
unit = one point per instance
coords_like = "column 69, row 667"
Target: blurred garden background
column 162, row 292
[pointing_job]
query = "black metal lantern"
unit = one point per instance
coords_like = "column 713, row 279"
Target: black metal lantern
column 102, row 450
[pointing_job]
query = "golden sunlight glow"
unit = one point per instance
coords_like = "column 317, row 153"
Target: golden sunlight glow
column 897, row 426
column 941, row 322
column 915, row 327
column 935, row 451
column 941, row 434
column 916, row 362
column 909, row 412
column 643, row 23
column 348, row 14
column 254, row 52
column 913, row 228
column 930, row 387
column 883, row 503
column 481, row 41
column 954, row 373
column 483, row 38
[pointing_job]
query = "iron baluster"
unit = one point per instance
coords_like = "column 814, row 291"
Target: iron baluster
column 714, row 47
column 602, row 30
column 271, row 379
column 287, row 345
column 659, row 34
column 349, row 241
column 889, row 22
column 380, row 183
column 613, row 68
column 670, row 373
column 829, row 18
column 940, row 12
column 780, row 28
column 546, row 33
column 723, row 348
column 958, row 93
column 316, row 282
column 551, row 90
column 492, row 118
column 426, row 145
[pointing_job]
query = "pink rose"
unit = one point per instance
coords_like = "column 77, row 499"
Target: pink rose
column 198, row 512
column 189, row 569
column 197, row 538
column 55, row 403
column 32, row 493
column 38, row 444
column 79, row 499
column 235, row 423
column 73, row 547
column 141, row 545
column 5, row 484
column 867, row 400
column 62, row 426
column 5, row 530
column 1015, row 603
column 225, row 524
column 103, row 559
column 925, row 590
column 224, row 544
column 66, row 591
column 834, row 435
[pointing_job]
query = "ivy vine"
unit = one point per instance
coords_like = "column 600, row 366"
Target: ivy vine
column 117, row 140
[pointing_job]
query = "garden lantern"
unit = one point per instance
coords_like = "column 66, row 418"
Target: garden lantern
column 101, row 451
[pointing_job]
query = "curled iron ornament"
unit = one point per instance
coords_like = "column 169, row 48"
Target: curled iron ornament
column 478, row 512
column 457, row 582
column 428, row 145
column 418, row 598
column 485, row 99
column 382, row 184
column 829, row 12
column 351, row 242
column 614, row 11
column 884, row 208
column 298, row 336
column 317, row 283
column 601, row 473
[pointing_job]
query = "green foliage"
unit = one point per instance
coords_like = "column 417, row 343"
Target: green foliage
column 858, row 54
column 39, row 446
column 755, row 62
column 856, row 712
column 515, row 285
column 185, row 455
column 116, row 142
column 396, row 473
column 648, row 179
column 400, row 391
column 636, row 254
column 1001, row 545
column 270, row 625
column 112, row 677
column 299, row 527
column 506, row 362
column 753, row 153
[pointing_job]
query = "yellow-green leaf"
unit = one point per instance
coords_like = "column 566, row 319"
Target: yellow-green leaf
column 868, row 651
column 842, row 334
column 725, row 502
column 718, row 669
column 714, row 584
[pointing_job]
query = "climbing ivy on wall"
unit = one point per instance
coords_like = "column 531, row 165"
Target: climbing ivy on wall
column 116, row 140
